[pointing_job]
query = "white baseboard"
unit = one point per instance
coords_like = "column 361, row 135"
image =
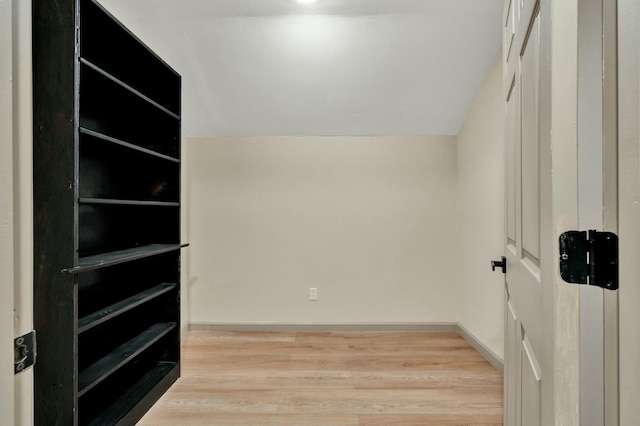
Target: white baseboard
column 438, row 327
column 450, row 327
column 483, row 350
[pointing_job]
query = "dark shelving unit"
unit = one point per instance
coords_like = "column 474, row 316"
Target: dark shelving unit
column 106, row 218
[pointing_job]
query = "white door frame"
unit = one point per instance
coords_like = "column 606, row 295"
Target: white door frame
column 610, row 202
column 591, row 193
column 6, row 215
column 629, row 209
column 16, row 206
column 23, row 198
column 564, row 216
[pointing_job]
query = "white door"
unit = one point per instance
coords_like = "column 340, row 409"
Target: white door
column 629, row 209
column 542, row 316
column 6, row 216
column 524, row 296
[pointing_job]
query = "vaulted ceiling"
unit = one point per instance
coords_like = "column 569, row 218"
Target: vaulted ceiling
column 334, row 67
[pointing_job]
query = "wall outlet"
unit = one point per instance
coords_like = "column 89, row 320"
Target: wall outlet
column 313, row 294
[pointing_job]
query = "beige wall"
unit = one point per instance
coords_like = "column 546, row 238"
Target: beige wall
column 369, row 221
column 480, row 214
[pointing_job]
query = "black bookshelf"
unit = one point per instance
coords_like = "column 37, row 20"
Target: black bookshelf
column 106, row 218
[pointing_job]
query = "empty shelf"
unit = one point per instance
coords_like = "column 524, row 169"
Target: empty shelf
column 115, row 202
column 127, row 87
column 101, row 369
column 90, row 263
column 164, row 371
column 121, row 307
column 125, row 144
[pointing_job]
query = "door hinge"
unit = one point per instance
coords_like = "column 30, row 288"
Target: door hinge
column 589, row 257
column 24, row 348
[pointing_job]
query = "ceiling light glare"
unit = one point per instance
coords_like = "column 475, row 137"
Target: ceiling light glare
column 306, row 1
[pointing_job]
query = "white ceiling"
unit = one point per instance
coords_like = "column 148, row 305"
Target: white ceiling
column 335, row 67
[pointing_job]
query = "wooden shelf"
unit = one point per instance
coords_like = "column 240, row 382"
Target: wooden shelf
column 87, row 200
column 90, row 263
column 98, row 135
column 127, row 87
column 101, row 369
column 112, row 311
column 107, row 107
column 164, row 371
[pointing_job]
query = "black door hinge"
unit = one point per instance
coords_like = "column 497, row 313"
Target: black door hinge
column 24, row 348
column 589, row 257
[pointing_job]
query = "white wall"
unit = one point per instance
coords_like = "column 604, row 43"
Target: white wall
column 336, row 67
column 480, row 214
column 369, row 221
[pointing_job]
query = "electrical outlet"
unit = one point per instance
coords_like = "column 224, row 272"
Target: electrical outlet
column 313, row 294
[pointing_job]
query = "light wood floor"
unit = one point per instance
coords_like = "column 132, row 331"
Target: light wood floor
column 331, row 379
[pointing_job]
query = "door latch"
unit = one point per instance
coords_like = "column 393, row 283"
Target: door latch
column 589, row 257
column 499, row 264
column 24, row 348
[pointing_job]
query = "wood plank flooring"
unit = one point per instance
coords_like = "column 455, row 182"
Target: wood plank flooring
column 400, row 379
